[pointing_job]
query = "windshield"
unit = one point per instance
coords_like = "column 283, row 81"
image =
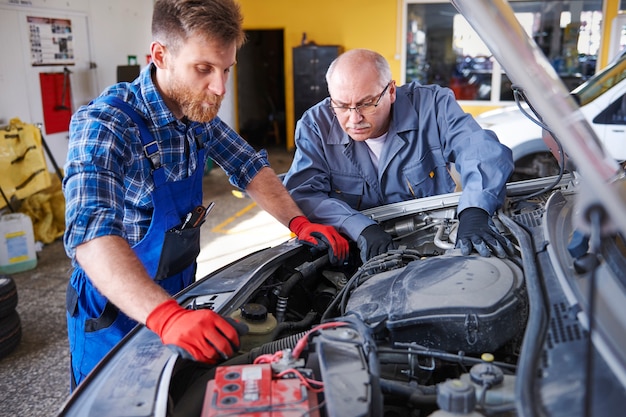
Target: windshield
column 601, row 82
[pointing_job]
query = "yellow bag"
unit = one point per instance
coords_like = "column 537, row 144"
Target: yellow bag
column 47, row 211
column 23, row 169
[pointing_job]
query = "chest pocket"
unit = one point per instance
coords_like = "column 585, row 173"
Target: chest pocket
column 427, row 178
column 347, row 188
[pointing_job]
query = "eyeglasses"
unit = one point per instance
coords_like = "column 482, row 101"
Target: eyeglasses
column 363, row 109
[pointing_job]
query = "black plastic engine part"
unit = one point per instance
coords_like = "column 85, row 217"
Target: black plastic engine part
column 347, row 362
column 452, row 303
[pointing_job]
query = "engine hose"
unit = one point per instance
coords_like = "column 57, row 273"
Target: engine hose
column 288, row 342
column 536, row 329
column 267, row 348
column 305, row 270
column 341, row 296
column 401, row 357
column 305, row 323
column 416, row 396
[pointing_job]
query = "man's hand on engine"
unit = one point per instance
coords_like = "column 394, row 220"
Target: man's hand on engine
column 373, row 241
column 477, row 231
column 201, row 334
column 320, row 236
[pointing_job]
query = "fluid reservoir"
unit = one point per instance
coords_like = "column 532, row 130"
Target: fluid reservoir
column 499, row 388
column 260, row 324
column 456, row 398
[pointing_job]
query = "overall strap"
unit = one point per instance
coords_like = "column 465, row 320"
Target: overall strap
column 150, row 146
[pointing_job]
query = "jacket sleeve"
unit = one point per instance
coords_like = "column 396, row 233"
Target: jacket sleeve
column 482, row 161
column 309, row 183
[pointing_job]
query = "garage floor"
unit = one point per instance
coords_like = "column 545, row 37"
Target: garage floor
column 34, row 378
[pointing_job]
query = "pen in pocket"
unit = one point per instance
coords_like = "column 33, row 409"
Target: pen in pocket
column 197, row 216
column 186, row 221
column 208, row 209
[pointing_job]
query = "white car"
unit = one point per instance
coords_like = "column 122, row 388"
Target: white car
column 603, row 103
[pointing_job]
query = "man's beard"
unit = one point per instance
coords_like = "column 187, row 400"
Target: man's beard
column 196, row 107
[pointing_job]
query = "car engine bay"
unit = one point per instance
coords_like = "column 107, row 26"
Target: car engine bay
column 418, row 331
column 421, row 330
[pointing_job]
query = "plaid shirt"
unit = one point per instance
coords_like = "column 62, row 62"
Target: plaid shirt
column 108, row 181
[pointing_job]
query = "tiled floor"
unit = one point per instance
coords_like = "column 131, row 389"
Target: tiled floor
column 34, row 378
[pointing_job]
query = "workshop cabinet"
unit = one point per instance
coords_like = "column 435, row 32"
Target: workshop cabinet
column 310, row 63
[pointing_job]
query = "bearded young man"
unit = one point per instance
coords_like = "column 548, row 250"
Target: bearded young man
column 133, row 173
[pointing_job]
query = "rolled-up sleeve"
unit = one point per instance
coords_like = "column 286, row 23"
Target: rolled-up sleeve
column 94, row 195
column 234, row 155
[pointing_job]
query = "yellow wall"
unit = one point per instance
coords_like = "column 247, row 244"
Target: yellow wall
column 371, row 24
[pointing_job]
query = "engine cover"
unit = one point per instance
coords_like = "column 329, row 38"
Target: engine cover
column 447, row 302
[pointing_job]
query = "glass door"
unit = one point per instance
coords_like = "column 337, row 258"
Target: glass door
column 441, row 47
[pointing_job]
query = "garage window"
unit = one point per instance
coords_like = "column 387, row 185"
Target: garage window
column 442, row 48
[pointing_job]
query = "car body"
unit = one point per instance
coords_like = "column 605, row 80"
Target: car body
column 421, row 330
column 602, row 100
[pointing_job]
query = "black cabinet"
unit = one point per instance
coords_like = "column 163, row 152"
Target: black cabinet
column 310, row 63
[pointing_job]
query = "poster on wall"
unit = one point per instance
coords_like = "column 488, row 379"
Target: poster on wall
column 51, row 41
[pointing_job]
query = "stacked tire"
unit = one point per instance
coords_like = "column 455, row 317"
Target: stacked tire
column 10, row 324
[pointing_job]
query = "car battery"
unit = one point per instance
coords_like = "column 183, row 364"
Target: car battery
column 252, row 390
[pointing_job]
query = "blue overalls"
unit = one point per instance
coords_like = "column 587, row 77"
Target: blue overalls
column 168, row 253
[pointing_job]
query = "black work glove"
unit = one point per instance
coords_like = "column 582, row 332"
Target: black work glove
column 373, row 241
column 476, row 230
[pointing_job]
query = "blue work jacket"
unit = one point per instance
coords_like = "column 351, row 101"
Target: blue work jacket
column 332, row 177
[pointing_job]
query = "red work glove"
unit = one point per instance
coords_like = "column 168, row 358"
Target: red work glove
column 203, row 334
column 320, row 236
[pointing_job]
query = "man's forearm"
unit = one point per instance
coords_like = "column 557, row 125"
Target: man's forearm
column 120, row 276
column 272, row 196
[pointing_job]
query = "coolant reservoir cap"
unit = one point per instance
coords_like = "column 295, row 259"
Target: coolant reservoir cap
column 486, row 374
column 456, row 396
column 254, row 312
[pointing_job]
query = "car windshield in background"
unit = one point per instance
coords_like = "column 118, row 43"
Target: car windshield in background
column 603, row 81
column 442, row 48
column 602, row 101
